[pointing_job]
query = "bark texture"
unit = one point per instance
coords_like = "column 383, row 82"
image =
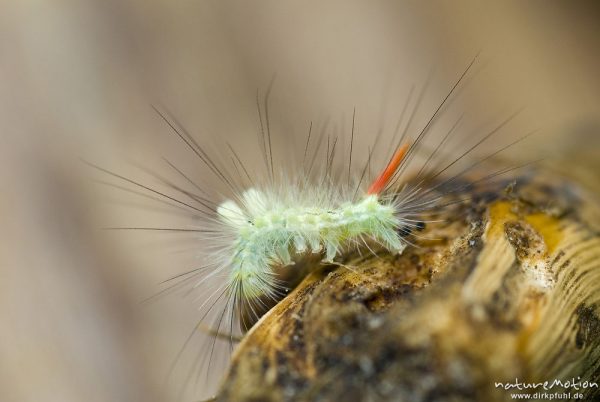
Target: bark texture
column 507, row 287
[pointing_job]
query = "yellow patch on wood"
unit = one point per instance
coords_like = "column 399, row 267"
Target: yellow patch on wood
column 548, row 227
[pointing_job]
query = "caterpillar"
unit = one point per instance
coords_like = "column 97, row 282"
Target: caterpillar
column 267, row 224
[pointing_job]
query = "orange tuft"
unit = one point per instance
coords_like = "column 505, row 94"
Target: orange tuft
column 381, row 181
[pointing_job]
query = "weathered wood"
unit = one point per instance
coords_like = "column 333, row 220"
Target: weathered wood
column 507, row 287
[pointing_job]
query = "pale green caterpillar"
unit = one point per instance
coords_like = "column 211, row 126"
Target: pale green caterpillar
column 268, row 230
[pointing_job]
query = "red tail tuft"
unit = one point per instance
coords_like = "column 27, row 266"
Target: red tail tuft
column 381, row 181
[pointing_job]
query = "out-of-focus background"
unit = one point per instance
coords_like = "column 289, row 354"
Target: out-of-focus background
column 77, row 79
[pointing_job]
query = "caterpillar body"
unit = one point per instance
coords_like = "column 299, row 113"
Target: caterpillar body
column 268, row 227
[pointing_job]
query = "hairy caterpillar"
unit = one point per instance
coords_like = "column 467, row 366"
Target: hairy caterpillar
column 268, row 227
column 267, row 223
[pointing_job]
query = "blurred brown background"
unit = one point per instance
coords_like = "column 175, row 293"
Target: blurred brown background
column 77, row 78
